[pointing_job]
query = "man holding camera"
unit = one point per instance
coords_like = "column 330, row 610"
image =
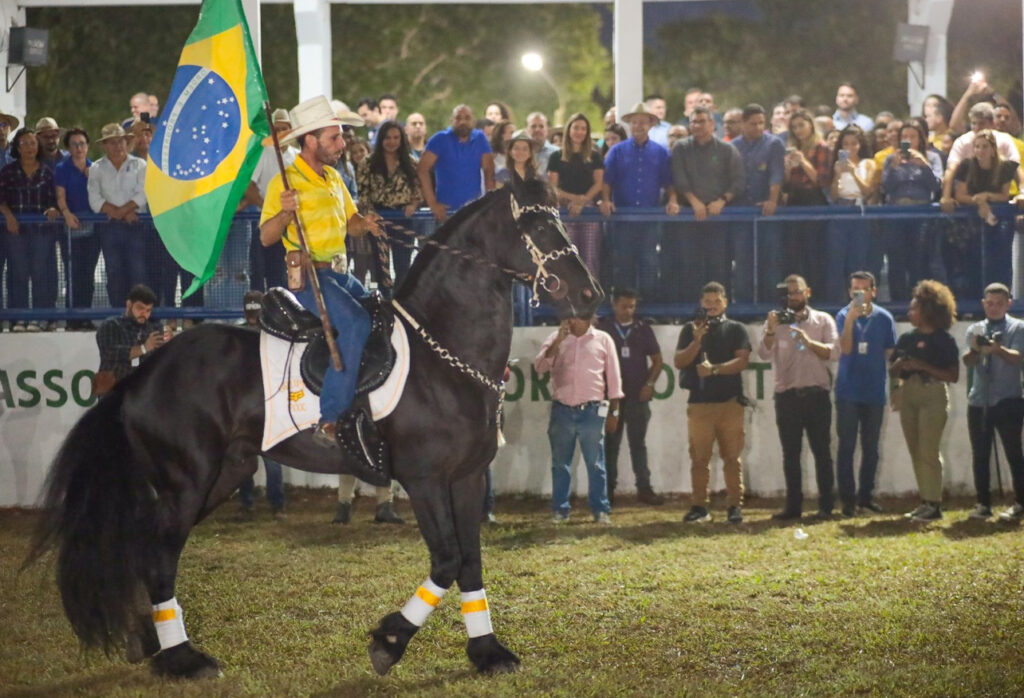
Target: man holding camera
column 867, row 337
column 995, row 401
column 711, row 354
column 801, row 343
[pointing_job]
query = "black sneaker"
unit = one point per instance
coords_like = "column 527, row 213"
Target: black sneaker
column 980, row 512
column 386, row 514
column 787, row 515
column 648, row 496
column 735, row 515
column 697, row 515
column 874, row 506
column 926, row 512
column 823, row 515
column 849, row 511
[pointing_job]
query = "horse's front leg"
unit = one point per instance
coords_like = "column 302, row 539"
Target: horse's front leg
column 433, row 509
column 488, row 655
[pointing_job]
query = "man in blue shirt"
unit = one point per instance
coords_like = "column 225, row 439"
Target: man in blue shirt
column 763, row 169
column 846, row 110
column 635, row 172
column 995, row 402
column 457, row 156
column 867, row 336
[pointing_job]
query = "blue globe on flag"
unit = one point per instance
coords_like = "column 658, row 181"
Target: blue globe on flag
column 199, row 127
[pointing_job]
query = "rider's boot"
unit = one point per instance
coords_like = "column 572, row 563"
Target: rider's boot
column 358, row 436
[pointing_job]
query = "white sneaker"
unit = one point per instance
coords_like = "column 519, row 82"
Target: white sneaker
column 1014, row 513
column 32, row 327
column 558, row 519
column 18, row 327
column 603, row 518
column 980, row 512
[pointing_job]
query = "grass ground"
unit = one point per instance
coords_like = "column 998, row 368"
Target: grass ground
column 866, row 606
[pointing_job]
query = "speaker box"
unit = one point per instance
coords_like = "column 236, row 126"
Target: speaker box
column 28, row 47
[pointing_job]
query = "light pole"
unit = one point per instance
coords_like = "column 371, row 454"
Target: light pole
column 535, row 64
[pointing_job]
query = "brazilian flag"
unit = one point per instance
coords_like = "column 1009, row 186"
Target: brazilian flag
column 207, row 140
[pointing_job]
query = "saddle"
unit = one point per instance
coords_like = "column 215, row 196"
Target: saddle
column 284, row 317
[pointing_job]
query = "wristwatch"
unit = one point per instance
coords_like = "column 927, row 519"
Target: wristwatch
column 714, row 370
column 613, row 413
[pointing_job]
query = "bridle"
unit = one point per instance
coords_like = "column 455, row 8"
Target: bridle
column 548, row 281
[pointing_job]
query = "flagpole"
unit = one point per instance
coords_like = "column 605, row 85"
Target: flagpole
column 314, row 280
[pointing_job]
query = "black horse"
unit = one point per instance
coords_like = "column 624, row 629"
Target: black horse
column 178, row 436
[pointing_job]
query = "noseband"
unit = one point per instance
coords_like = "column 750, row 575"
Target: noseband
column 542, row 277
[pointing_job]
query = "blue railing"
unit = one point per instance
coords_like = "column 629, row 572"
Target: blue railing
column 223, row 294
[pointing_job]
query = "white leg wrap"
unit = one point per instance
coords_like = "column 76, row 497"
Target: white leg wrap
column 476, row 613
column 170, row 624
column 423, row 602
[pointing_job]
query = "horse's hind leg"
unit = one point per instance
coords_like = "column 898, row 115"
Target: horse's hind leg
column 486, row 653
column 434, row 515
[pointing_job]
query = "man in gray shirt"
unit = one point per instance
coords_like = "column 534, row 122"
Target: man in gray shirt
column 995, row 402
column 708, row 173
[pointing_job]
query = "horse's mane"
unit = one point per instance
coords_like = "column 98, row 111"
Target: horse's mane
column 531, row 191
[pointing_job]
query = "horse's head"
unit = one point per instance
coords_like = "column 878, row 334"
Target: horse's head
column 545, row 253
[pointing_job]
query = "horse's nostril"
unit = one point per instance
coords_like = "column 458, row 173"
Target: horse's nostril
column 587, row 294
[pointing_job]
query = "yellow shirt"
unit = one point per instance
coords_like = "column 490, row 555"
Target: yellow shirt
column 324, row 208
column 880, row 156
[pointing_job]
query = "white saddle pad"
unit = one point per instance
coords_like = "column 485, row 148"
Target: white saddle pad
column 290, row 406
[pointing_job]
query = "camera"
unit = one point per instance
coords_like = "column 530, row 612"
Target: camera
column 701, row 316
column 987, row 340
column 785, row 316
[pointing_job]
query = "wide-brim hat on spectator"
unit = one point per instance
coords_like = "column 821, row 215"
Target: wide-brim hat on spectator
column 110, row 132
column 11, row 121
column 281, row 115
column 47, row 123
column 522, row 135
column 640, row 109
column 313, row 114
column 346, row 115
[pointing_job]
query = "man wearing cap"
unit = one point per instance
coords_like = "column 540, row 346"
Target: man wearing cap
column 7, row 124
column 456, row 156
column 48, row 133
column 117, row 188
column 319, row 197
column 635, row 172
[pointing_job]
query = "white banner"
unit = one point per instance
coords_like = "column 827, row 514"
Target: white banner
column 45, row 383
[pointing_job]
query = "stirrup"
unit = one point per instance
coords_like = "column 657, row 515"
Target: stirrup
column 324, row 435
column 359, row 437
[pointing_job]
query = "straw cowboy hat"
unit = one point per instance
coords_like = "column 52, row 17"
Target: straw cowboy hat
column 11, row 121
column 346, row 115
column 313, row 114
column 47, row 123
column 640, row 109
column 110, row 132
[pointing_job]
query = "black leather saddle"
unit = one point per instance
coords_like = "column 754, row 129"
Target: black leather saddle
column 284, row 317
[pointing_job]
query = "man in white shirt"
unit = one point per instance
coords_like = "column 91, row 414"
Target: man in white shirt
column 117, row 188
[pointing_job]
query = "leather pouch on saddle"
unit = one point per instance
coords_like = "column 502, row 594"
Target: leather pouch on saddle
column 297, row 262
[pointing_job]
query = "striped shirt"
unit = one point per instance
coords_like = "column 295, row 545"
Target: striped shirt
column 324, row 206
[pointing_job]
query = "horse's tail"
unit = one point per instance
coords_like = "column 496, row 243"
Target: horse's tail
column 100, row 516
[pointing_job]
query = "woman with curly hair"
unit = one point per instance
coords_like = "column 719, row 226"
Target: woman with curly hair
column 926, row 361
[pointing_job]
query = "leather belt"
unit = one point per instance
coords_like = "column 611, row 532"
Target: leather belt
column 581, row 406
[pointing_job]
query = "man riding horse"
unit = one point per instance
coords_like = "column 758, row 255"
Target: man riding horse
column 327, row 214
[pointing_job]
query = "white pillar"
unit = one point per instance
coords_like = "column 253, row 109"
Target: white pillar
column 251, row 8
column 313, row 31
column 14, row 102
column 628, row 53
column 935, row 14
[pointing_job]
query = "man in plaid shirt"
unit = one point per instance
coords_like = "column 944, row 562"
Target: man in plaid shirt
column 125, row 340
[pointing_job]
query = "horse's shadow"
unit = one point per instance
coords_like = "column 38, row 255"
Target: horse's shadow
column 122, row 678
column 882, row 528
column 392, row 686
column 971, row 528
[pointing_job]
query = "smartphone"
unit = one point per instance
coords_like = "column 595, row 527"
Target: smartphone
column 844, row 155
column 858, row 299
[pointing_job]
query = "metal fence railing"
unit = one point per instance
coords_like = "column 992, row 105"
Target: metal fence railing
column 51, row 273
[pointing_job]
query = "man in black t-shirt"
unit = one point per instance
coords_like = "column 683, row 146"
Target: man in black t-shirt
column 711, row 354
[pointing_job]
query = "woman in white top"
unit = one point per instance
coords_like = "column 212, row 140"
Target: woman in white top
column 849, row 239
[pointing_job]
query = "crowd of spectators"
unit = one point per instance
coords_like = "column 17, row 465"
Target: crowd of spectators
column 702, row 163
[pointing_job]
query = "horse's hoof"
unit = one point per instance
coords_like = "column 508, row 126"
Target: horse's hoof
column 141, row 644
column 185, row 662
column 490, row 656
column 389, row 642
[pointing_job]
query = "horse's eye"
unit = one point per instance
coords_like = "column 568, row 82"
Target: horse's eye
column 540, row 228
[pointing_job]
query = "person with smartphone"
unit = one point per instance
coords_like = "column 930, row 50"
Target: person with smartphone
column 867, row 336
column 126, row 340
column 586, row 387
column 848, row 242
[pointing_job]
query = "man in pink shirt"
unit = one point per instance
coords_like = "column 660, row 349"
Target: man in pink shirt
column 801, row 345
column 586, row 388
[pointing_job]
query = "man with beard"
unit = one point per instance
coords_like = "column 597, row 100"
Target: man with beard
column 801, row 342
column 126, row 340
column 456, row 156
column 48, row 133
column 328, row 214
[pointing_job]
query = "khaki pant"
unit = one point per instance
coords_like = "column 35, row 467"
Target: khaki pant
column 710, row 422
column 923, row 412
column 347, row 490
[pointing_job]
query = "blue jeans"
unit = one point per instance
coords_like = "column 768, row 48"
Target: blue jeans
column 352, row 322
column 275, row 486
column 850, row 415
column 32, row 254
column 124, row 256
column 566, row 426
